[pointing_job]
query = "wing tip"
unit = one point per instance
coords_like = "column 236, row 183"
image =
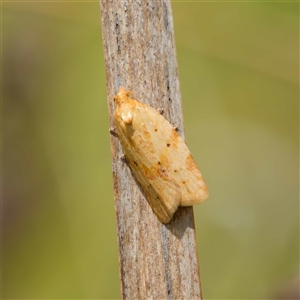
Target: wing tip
column 201, row 196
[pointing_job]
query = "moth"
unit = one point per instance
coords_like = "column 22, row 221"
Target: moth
column 157, row 156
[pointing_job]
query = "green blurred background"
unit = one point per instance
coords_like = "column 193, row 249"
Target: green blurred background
column 239, row 67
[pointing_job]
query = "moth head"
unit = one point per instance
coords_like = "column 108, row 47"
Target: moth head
column 125, row 106
column 123, row 96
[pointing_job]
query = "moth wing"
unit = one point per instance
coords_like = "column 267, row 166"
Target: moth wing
column 162, row 193
column 171, row 156
column 142, row 151
column 159, row 159
column 163, row 197
column 192, row 186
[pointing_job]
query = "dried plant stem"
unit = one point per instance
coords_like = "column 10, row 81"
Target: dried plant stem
column 156, row 261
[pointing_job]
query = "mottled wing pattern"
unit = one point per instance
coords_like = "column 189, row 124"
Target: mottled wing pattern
column 158, row 157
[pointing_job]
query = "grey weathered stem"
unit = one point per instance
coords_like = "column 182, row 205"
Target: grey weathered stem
column 156, row 261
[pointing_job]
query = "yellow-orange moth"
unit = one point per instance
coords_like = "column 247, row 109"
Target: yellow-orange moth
column 158, row 157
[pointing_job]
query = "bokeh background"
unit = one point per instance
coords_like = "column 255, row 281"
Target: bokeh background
column 239, row 72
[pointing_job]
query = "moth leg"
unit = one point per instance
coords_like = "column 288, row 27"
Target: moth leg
column 123, row 158
column 112, row 131
column 161, row 111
